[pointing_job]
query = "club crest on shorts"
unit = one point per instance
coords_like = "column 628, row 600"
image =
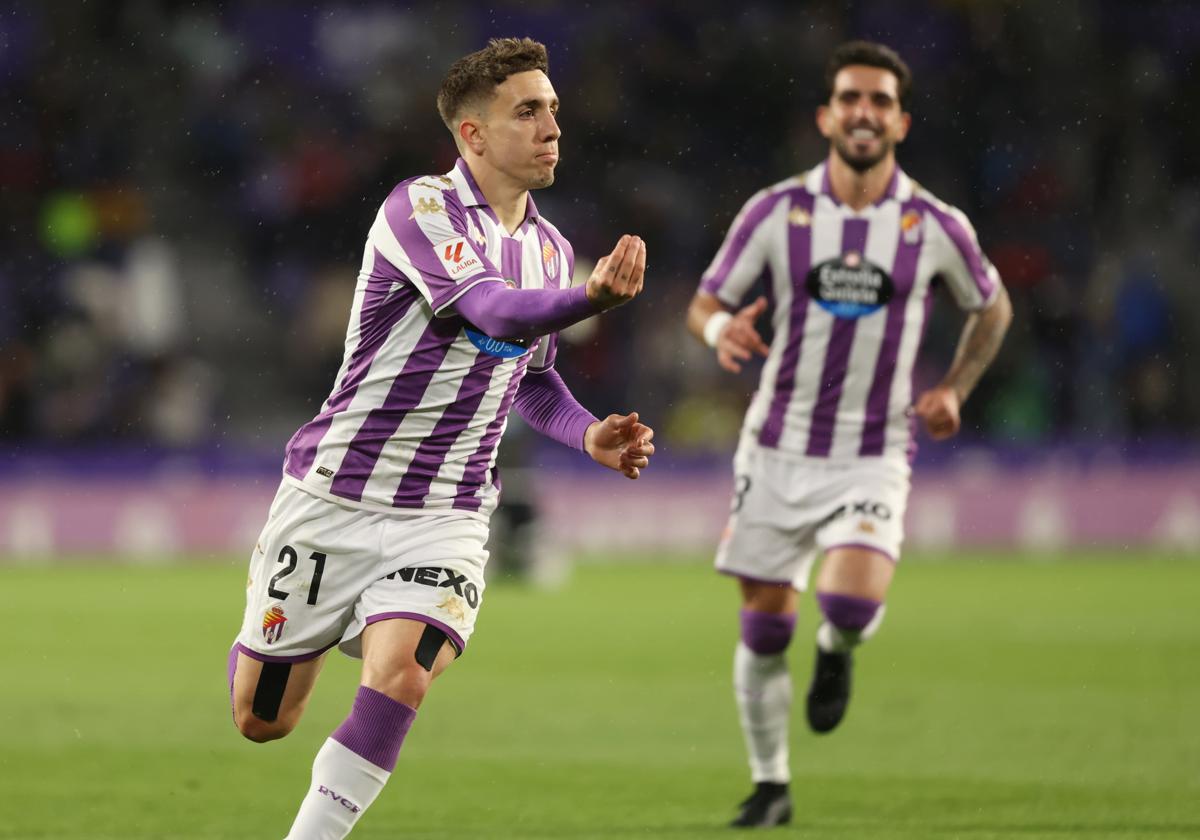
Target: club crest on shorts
column 273, row 621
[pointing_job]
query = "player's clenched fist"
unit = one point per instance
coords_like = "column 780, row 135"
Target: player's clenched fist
column 620, row 443
column 618, row 277
column 938, row 407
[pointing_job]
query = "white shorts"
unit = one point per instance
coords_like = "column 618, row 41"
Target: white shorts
column 321, row 572
column 788, row 508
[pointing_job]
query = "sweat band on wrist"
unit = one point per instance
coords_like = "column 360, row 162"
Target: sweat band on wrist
column 713, row 326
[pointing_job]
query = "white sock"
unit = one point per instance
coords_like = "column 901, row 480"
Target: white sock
column 763, row 688
column 834, row 640
column 343, row 785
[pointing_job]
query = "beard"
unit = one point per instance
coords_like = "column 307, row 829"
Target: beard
column 860, row 163
column 541, row 180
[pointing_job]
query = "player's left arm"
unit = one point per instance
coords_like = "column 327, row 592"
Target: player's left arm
column 619, row 442
column 977, row 288
column 981, row 338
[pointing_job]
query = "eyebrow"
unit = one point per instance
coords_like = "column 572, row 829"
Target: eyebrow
column 535, row 103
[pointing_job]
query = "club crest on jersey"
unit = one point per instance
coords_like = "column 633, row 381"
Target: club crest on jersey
column 799, row 217
column 849, row 286
column 550, row 259
column 495, row 346
column 910, row 227
column 458, row 258
column 273, row 621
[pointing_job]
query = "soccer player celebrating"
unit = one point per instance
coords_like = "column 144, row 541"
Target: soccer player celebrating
column 852, row 249
column 375, row 540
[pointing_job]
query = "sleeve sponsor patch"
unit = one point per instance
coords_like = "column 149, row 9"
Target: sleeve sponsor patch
column 458, row 258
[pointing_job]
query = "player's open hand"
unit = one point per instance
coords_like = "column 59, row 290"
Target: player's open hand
column 620, row 443
column 618, row 277
column 739, row 339
column 938, row 408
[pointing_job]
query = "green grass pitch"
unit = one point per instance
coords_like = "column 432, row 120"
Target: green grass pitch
column 1004, row 698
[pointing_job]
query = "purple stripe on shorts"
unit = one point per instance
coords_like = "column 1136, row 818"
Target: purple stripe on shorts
column 291, row 660
column 738, row 237
column 966, row 246
column 381, row 423
column 431, row 453
column 475, row 475
column 753, row 579
column 837, row 357
column 904, row 271
column 450, row 632
column 799, row 262
column 231, row 672
column 866, row 546
column 380, row 312
column 376, row 727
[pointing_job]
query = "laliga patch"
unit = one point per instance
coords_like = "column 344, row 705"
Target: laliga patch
column 849, row 286
column 273, row 621
column 458, row 258
column 496, row 347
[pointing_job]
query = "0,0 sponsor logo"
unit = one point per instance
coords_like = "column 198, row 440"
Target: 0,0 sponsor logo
column 495, row 346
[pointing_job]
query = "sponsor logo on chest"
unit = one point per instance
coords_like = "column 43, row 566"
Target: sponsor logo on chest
column 849, row 286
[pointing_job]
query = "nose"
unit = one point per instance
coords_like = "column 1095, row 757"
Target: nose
column 549, row 127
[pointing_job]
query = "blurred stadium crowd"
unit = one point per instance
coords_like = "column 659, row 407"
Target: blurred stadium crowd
column 185, row 189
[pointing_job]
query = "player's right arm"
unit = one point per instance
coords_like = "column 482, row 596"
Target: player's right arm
column 508, row 314
column 713, row 316
column 423, row 232
column 732, row 334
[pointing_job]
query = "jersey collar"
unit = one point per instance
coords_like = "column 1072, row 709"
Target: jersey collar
column 471, row 196
column 817, row 182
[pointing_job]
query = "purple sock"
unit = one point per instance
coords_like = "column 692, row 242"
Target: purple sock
column 767, row 633
column 376, row 727
column 847, row 612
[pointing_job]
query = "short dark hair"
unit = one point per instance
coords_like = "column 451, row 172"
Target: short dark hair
column 473, row 77
column 872, row 55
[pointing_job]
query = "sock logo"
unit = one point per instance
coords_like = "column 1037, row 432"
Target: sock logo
column 341, row 800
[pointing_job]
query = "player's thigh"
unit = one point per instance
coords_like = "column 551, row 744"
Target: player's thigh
column 759, row 596
column 402, row 657
column 269, row 698
column 854, row 570
column 768, row 542
column 862, row 534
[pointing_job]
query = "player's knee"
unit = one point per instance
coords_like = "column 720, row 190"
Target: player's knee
column 408, row 684
column 260, row 731
column 767, row 633
column 854, row 618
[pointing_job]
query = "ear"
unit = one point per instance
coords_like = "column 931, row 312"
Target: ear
column 824, row 121
column 905, row 125
column 470, row 133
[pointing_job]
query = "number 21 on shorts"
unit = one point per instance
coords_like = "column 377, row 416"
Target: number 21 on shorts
column 288, row 555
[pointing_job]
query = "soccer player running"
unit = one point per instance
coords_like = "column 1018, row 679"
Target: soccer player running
column 852, row 249
column 375, row 540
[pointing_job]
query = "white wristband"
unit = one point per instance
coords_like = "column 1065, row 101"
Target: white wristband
column 713, row 326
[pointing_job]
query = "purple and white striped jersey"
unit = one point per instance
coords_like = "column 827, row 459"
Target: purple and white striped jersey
column 852, row 293
column 422, row 398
